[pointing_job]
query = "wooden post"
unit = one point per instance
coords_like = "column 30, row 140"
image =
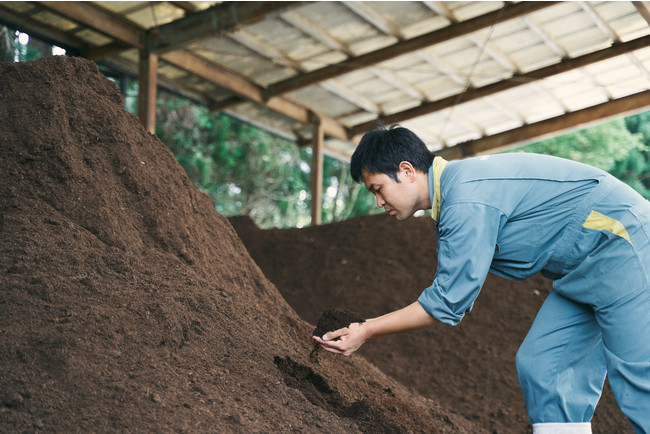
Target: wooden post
column 318, row 137
column 147, row 83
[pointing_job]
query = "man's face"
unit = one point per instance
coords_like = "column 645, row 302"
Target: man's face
column 397, row 198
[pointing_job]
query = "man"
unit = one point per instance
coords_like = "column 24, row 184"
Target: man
column 516, row 215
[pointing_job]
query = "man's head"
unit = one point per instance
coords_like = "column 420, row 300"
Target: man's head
column 393, row 163
column 382, row 150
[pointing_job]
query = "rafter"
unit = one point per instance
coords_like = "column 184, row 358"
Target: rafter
column 400, row 48
column 643, row 8
column 515, row 81
column 38, row 29
column 217, row 19
column 625, row 106
column 131, row 35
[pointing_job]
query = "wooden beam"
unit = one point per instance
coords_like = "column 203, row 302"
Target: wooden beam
column 625, row 106
column 39, row 30
column 643, row 8
column 147, row 85
column 453, row 31
column 515, row 81
column 209, row 22
column 318, row 139
column 129, row 34
column 203, row 68
column 99, row 20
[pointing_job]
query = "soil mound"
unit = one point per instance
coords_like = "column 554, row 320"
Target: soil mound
column 373, row 265
column 128, row 304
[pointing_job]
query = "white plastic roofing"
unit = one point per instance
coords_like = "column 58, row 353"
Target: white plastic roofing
column 468, row 77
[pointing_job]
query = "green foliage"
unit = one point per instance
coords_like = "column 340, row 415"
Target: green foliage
column 12, row 50
column 601, row 146
column 620, row 147
column 246, row 170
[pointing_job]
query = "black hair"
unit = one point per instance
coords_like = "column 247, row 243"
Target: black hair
column 381, row 150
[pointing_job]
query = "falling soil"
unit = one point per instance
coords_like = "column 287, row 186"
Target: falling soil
column 332, row 320
column 128, row 304
column 373, row 265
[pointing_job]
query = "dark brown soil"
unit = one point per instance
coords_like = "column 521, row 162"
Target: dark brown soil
column 373, row 265
column 127, row 304
column 334, row 319
column 331, row 320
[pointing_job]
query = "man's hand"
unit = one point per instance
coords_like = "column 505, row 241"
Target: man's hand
column 412, row 317
column 349, row 339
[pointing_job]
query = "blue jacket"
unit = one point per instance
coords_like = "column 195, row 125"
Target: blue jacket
column 516, row 215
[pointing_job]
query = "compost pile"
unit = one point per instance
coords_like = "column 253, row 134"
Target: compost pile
column 127, row 304
column 373, row 265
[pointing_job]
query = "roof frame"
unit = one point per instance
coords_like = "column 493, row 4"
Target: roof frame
column 135, row 37
column 625, row 106
column 516, row 80
column 407, row 46
column 170, row 42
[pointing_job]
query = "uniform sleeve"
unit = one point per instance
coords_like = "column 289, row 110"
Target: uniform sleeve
column 466, row 245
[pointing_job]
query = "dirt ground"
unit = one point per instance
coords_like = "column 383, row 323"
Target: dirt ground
column 127, row 304
column 373, row 265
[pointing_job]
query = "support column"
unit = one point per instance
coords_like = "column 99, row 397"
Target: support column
column 147, row 83
column 318, row 137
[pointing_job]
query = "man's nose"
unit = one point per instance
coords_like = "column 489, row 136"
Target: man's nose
column 380, row 202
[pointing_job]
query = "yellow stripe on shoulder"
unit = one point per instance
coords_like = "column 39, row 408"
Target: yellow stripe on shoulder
column 601, row 222
column 439, row 164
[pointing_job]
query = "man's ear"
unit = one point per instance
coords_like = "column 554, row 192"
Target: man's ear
column 408, row 170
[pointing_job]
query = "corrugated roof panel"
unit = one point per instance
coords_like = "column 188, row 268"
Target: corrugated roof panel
column 398, row 103
column 585, row 41
column 488, row 71
column 324, row 101
column 121, row 6
column 170, row 71
column 55, row 20
column 463, row 10
column 510, row 36
column 440, row 87
column 155, row 14
column 22, row 7
column 357, row 118
column 535, row 57
column 548, row 16
column 530, row 102
column 356, row 77
column 585, row 99
column 502, row 125
column 93, row 38
column 346, row 27
column 241, row 59
column 412, row 18
column 323, row 60
column 475, row 115
column 620, row 76
column 287, row 39
column 131, row 55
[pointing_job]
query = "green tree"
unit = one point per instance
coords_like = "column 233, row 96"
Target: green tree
column 11, row 49
column 635, row 169
column 246, row 170
column 619, row 147
column 602, row 145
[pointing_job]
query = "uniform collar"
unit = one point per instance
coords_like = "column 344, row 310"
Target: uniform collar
column 435, row 172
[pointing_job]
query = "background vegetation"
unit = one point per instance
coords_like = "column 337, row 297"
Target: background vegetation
column 246, row 170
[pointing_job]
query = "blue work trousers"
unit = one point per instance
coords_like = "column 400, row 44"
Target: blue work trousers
column 594, row 323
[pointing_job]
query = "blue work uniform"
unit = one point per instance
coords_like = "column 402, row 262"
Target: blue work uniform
column 519, row 214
